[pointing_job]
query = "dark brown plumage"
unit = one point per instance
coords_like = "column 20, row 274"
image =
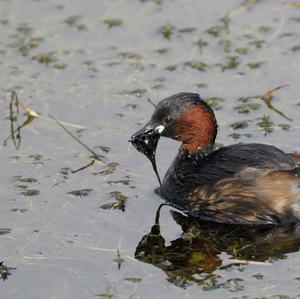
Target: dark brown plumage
column 252, row 184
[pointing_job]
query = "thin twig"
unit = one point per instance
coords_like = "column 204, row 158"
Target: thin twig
column 95, row 155
column 14, row 102
column 152, row 103
column 92, row 162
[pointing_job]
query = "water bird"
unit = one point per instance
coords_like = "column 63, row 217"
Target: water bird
column 246, row 183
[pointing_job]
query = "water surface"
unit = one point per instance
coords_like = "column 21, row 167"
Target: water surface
column 92, row 234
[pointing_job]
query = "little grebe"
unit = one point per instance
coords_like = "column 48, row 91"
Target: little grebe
column 251, row 184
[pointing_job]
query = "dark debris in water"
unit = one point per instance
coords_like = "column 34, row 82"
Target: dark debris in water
column 197, row 65
column 110, row 169
column 255, row 65
column 26, row 179
column 19, row 210
column 215, row 30
column 296, row 48
column 246, row 108
column 136, row 92
column 81, row 192
column 167, row 31
column 119, row 260
column 75, row 22
column 29, row 193
column 4, row 231
column 231, row 63
column 133, row 279
column 125, row 182
column 45, row 57
column 5, row 271
column 24, row 39
column 106, row 149
column 240, row 125
column 265, row 124
column 236, row 136
column 284, row 127
column 201, row 44
column 214, row 102
column 119, row 203
column 113, row 22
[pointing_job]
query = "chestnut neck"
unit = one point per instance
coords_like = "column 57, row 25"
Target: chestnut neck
column 197, row 129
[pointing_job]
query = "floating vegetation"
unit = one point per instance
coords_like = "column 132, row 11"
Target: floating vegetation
column 104, row 148
column 19, row 210
column 162, row 51
column 124, row 182
column 295, row 19
column 5, row 271
column 215, row 30
column 81, row 192
column 133, row 279
column 187, row 30
column 284, row 127
column 112, row 22
column 255, row 65
column 24, row 40
column 231, row 63
column 119, row 260
column 264, row 28
column 45, row 57
column 201, row 44
column 154, row 1
column 171, row 68
column 197, row 65
column 167, row 30
column 30, row 193
column 296, row 48
column 292, row 3
column 242, row 51
column 258, row 43
column 26, row 180
column 33, row 42
column 267, row 97
column 60, row 66
column 245, row 108
column 3, row 22
column 265, row 124
column 240, row 125
column 75, row 22
column 226, row 44
column 131, row 56
column 214, row 102
column 119, row 203
column 135, row 92
column 226, row 21
column 110, row 169
column 235, row 136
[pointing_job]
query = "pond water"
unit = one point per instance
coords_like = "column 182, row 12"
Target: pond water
column 93, row 64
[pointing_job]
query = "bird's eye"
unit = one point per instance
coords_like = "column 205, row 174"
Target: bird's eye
column 168, row 120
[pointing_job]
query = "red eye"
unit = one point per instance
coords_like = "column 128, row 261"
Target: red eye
column 167, row 120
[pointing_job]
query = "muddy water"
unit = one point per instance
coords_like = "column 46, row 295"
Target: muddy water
column 93, row 64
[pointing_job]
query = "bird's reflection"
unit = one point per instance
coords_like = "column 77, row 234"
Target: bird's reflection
column 197, row 251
